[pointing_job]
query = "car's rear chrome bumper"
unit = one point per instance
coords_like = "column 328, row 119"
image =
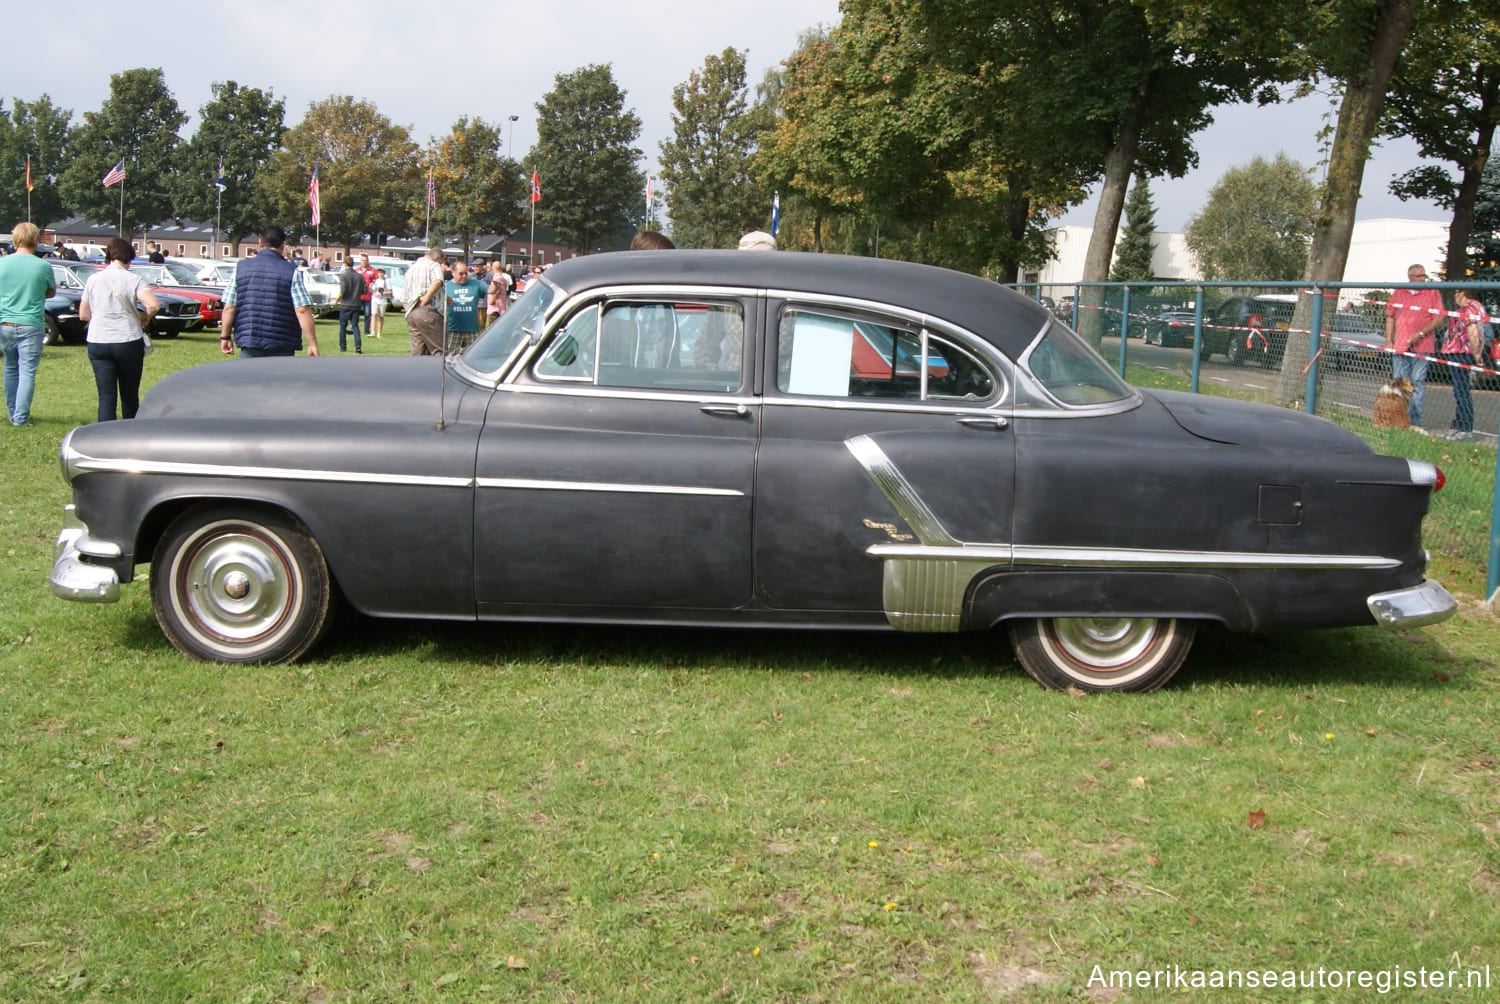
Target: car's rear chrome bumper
column 1413, row 606
column 73, row 578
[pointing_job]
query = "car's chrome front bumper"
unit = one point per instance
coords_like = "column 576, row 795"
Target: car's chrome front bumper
column 74, row 579
column 1413, row 606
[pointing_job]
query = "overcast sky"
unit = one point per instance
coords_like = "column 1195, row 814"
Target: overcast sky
column 495, row 60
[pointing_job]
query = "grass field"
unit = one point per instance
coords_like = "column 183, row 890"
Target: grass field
column 464, row 813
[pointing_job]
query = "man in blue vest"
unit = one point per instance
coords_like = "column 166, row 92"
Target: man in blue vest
column 267, row 309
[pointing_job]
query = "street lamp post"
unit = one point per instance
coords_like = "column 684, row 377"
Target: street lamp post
column 511, row 141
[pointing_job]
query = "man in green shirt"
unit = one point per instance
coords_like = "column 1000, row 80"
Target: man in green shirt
column 25, row 283
column 466, row 304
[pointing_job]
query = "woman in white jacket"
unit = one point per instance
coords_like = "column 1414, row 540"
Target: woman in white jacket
column 117, row 305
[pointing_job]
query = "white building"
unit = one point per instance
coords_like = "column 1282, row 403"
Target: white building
column 1380, row 252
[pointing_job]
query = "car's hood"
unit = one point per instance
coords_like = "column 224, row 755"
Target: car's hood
column 1244, row 423
column 391, row 389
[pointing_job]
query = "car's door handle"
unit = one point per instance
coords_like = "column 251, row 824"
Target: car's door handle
column 985, row 421
column 731, row 410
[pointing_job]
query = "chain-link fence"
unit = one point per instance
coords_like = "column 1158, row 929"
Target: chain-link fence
column 1255, row 341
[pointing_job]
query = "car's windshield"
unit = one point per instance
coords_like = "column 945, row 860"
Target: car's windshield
column 66, row 278
column 183, row 275
column 501, row 339
column 1072, row 372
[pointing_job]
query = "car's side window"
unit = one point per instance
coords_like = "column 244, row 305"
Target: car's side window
column 829, row 355
column 650, row 345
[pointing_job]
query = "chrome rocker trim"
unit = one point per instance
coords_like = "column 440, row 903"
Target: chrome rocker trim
column 1413, row 606
column 74, row 579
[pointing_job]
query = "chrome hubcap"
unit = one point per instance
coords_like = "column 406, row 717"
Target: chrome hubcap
column 238, row 586
column 1105, row 643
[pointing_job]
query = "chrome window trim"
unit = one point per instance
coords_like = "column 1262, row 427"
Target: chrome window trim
column 697, row 397
column 77, row 463
column 541, row 484
column 920, row 324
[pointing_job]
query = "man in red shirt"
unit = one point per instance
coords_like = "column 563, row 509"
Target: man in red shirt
column 1412, row 316
column 370, row 275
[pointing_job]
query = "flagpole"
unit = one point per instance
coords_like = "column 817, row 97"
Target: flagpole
column 28, row 188
column 532, row 197
column 218, row 209
column 122, row 206
column 427, row 207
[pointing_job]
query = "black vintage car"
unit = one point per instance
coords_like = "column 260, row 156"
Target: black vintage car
column 745, row 439
column 65, row 327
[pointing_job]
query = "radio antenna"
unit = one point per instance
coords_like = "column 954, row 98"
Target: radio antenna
column 443, row 367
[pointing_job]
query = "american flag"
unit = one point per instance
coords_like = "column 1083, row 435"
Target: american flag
column 536, row 187
column 431, row 189
column 116, row 175
column 312, row 199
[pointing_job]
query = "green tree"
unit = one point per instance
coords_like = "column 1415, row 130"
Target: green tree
column 1484, row 237
column 240, row 128
column 1257, row 222
column 707, row 161
column 136, row 125
column 801, row 153
column 1138, row 243
column 584, row 157
column 41, row 131
column 1445, row 94
column 477, row 189
column 367, row 167
column 1355, row 43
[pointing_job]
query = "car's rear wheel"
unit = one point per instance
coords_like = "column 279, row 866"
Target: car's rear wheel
column 52, row 334
column 1102, row 653
column 236, row 583
column 1235, row 350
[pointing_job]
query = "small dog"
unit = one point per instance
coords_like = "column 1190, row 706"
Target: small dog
column 1393, row 405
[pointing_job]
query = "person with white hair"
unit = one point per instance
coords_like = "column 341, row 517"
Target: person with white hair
column 757, row 240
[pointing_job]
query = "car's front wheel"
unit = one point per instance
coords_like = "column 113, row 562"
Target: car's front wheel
column 236, row 583
column 1102, row 653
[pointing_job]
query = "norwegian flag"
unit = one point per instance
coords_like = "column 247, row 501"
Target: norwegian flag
column 116, row 175
column 313, row 200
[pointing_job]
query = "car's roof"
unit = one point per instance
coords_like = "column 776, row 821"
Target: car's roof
column 1003, row 316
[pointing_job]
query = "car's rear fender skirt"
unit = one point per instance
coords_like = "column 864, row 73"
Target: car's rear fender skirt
column 1006, row 595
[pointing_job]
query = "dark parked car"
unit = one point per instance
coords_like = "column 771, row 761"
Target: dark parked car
column 64, row 326
column 1173, row 328
column 1249, row 329
column 581, row 461
column 1355, row 344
